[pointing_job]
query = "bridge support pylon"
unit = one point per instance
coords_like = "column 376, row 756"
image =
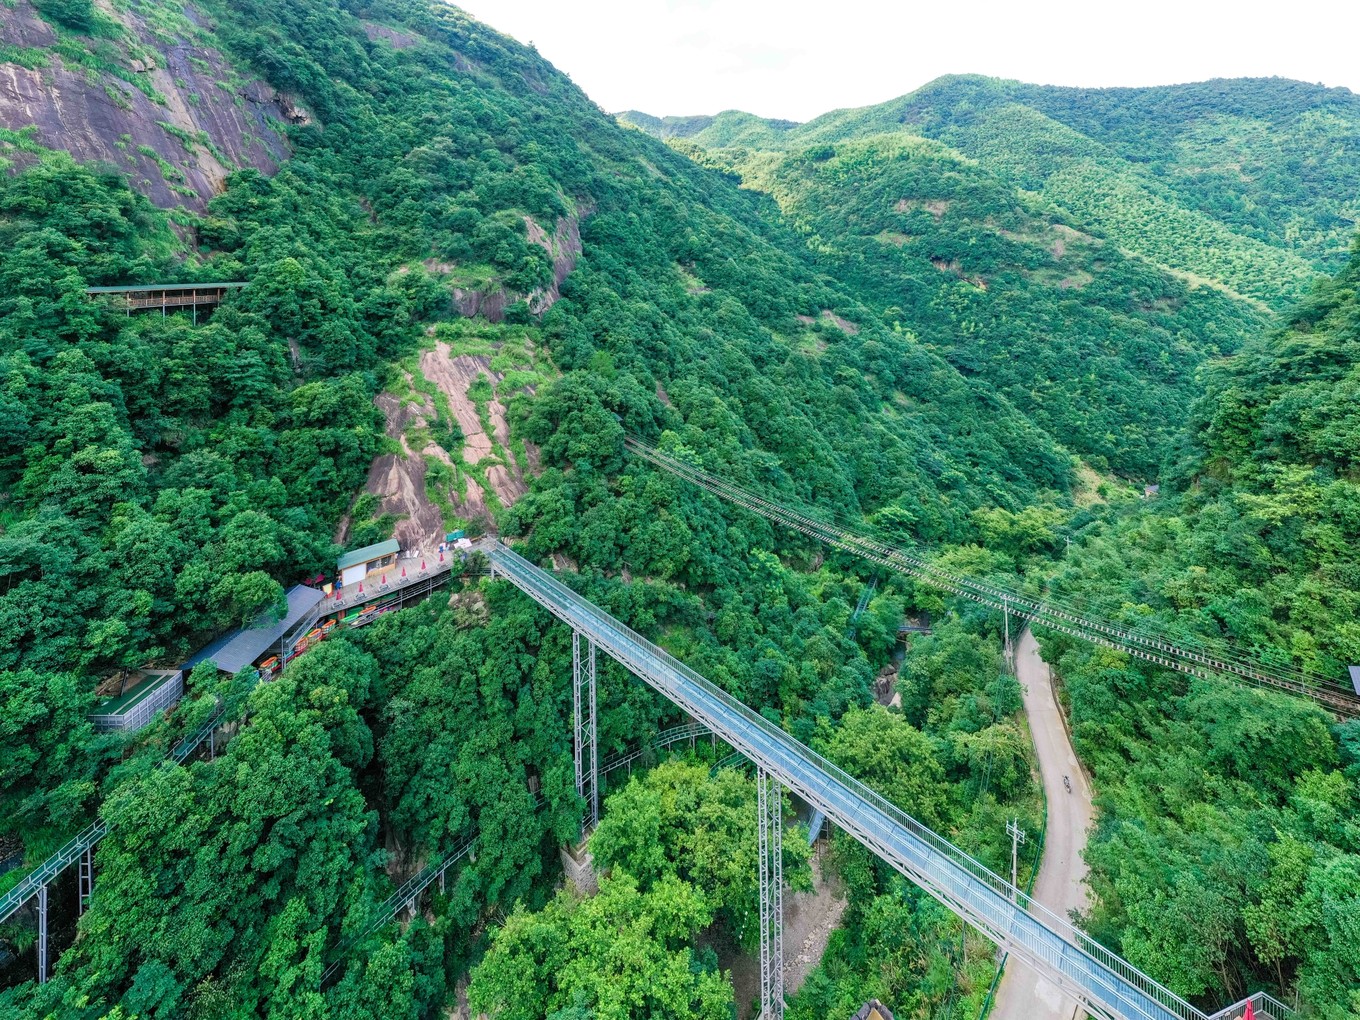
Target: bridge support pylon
column 42, row 935
column 770, row 837
column 585, row 735
column 86, row 879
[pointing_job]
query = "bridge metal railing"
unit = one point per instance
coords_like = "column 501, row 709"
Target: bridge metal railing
column 52, row 867
column 405, row 897
column 664, row 739
column 1105, row 984
column 410, row 890
column 421, row 579
column 1265, row 1007
column 88, row 837
column 1206, row 662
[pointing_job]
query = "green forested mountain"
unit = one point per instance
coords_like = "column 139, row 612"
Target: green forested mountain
column 1229, row 844
column 880, row 326
column 162, row 480
column 1273, row 159
column 1096, row 345
column 1189, row 175
column 1047, row 223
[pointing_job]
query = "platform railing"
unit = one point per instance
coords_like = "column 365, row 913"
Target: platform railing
column 1265, row 1007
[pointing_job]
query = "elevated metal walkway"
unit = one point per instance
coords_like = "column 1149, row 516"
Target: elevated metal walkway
column 1104, row 984
column 73, row 850
column 406, row 897
column 1264, row 1007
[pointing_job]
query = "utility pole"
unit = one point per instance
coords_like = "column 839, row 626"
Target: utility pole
column 1017, row 835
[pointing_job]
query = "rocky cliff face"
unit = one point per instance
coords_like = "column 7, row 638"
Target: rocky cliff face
column 563, row 245
column 157, row 102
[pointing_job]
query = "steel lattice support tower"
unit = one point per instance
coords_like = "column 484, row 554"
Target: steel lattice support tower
column 42, row 935
column 587, row 758
column 770, row 837
column 1105, row 985
column 86, row 879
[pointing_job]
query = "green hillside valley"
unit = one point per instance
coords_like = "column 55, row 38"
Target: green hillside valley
column 467, row 553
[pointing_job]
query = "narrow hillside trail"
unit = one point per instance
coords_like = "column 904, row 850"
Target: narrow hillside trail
column 809, row 919
column 1061, row 883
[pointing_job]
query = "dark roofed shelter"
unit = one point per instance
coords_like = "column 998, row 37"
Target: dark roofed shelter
column 166, row 296
column 237, row 650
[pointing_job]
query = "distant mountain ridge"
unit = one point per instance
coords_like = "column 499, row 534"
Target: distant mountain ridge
column 1273, row 162
column 1082, row 250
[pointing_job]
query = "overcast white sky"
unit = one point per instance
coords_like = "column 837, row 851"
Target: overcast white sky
column 796, row 59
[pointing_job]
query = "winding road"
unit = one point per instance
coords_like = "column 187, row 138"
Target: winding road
column 1060, row 885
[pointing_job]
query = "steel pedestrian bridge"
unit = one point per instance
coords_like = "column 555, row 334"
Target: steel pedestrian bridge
column 1103, row 983
column 1193, row 659
column 81, row 848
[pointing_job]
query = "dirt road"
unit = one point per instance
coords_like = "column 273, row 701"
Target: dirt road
column 1023, row 995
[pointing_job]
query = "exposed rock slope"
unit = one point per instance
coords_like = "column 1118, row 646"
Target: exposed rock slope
column 433, row 484
column 157, row 102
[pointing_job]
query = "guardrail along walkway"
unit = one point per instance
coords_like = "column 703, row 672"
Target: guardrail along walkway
column 1105, row 984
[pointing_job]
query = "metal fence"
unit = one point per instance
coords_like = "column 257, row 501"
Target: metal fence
column 67, row 855
column 142, row 712
column 1264, row 1006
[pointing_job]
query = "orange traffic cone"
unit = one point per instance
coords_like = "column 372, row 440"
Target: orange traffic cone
column 403, row 571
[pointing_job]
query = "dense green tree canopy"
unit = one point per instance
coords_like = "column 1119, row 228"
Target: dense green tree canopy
column 888, row 332
column 1227, row 808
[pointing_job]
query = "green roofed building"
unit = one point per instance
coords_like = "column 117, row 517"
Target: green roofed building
column 141, row 697
column 355, row 566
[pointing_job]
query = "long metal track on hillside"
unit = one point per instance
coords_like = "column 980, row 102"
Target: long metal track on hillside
column 412, row 888
column 1104, row 984
column 51, row 868
column 664, row 739
column 1149, row 647
column 403, row 898
column 71, row 851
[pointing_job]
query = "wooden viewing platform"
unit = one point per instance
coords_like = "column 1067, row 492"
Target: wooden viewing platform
column 165, row 296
